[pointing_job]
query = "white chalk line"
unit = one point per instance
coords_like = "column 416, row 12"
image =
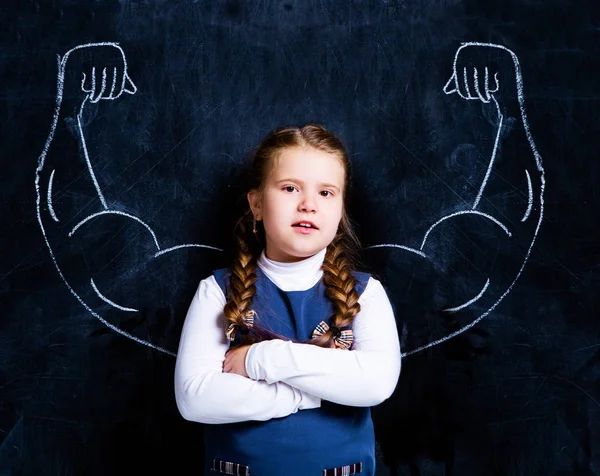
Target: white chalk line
column 115, row 212
column 42, row 158
column 391, row 245
column 467, row 85
column 87, row 157
column 50, row 207
column 114, row 82
column 529, row 197
column 192, row 245
column 465, row 212
column 105, row 299
column 471, row 301
column 493, row 157
column 476, row 81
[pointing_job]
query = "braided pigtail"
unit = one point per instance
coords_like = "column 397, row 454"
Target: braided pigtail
column 340, row 289
column 241, row 288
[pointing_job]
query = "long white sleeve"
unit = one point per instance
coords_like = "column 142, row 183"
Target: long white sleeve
column 364, row 376
column 207, row 395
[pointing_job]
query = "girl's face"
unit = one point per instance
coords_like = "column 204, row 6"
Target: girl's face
column 302, row 203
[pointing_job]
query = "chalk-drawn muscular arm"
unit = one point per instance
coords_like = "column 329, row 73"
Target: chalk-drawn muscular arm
column 109, row 258
column 79, row 225
column 510, row 200
column 470, row 247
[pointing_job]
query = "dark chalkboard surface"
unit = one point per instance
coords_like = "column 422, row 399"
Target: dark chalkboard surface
column 472, row 129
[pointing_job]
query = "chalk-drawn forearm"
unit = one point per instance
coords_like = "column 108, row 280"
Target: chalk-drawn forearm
column 86, row 74
column 474, row 78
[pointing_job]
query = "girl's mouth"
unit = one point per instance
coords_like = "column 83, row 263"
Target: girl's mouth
column 305, row 224
column 305, row 227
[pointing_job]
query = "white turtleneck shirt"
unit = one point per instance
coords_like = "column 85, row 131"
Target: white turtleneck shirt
column 284, row 376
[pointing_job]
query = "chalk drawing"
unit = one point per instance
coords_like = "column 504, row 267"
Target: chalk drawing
column 464, row 212
column 110, row 83
column 412, row 250
column 105, row 299
column 529, row 197
column 192, row 245
column 107, row 87
column 459, row 84
column 50, row 207
column 470, row 301
column 87, row 156
column 114, row 212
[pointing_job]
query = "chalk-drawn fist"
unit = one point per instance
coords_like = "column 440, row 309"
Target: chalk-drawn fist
column 480, row 70
column 101, row 70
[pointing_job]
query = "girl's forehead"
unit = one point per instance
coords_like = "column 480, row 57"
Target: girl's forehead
column 308, row 163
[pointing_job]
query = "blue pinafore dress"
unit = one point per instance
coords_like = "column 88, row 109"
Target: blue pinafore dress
column 330, row 440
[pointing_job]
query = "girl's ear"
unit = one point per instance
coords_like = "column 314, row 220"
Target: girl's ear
column 254, row 202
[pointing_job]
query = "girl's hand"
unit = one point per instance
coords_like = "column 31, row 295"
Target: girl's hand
column 235, row 361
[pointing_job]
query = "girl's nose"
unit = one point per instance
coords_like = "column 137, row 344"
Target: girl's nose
column 307, row 204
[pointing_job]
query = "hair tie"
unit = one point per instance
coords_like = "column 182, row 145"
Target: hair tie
column 341, row 337
column 244, row 329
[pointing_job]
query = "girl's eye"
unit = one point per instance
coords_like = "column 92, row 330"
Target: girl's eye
column 289, row 188
column 326, row 193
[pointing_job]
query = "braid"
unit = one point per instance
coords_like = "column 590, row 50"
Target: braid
column 339, row 288
column 242, row 281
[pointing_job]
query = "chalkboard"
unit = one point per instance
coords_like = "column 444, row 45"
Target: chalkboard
column 472, row 129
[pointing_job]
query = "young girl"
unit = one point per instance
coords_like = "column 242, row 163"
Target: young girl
column 283, row 353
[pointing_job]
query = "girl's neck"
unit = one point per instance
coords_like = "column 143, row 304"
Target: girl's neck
column 296, row 276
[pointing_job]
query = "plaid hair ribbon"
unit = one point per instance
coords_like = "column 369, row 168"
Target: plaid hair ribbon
column 244, row 328
column 342, row 338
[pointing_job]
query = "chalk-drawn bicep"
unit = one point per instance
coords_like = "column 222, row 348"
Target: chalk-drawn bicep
column 467, row 244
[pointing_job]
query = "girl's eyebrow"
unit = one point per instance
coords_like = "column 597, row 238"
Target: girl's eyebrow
column 327, row 185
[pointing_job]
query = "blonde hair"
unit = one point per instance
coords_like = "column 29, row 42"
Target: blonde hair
column 339, row 258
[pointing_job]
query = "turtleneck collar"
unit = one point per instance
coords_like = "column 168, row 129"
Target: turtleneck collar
column 298, row 276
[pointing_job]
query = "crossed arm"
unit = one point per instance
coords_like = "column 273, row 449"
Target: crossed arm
column 284, row 377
